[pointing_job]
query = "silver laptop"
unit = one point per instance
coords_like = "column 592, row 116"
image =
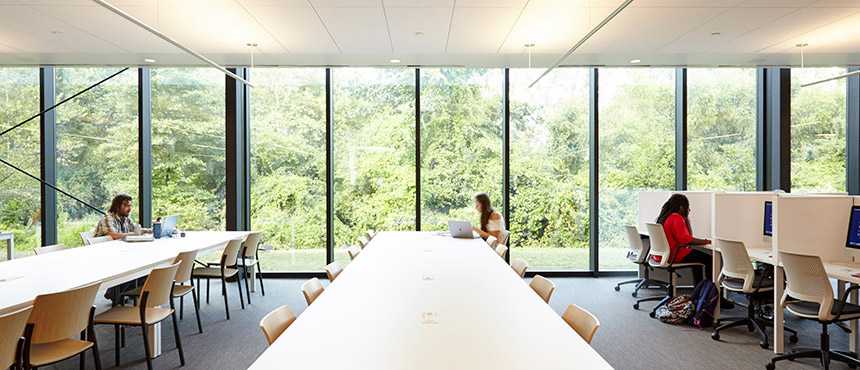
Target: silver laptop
column 462, row 229
column 169, row 225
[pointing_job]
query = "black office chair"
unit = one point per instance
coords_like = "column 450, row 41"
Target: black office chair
column 638, row 254
column 809, row 286
column 660, row 247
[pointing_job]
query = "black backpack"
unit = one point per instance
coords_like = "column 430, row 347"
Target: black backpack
column 705, row 299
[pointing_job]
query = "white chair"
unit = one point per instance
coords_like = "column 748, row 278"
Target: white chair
column 100, row 239
column 543, row 287
column 638, row 253
column 501, row 249
column 85, row 237
column 520, row 267
column 503, row 237
column 492, row 241
column 581, row 321
column 660, row 247
column 362, row 241
column 49, row 249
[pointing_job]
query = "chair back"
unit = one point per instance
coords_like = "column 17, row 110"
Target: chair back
column 186, row 266
column 62, row 315
column 85, row 236
column 11, row 326
column 636, row 248
column 581, row 321
column 520, row 267
column 276, row 322
column 362, row 241
column 231, row 252
column 100, row 239
column 312, row 289
column 807, row 281
column 543, row 287
column 353, row 252
column 492, row 241
column 49, row 248
column 736, row 263
column 251, row 244
column 659, row 243
column 503, row 236
column 501, row 249
column 370, row 234
column 333, row 270
column 159, row 284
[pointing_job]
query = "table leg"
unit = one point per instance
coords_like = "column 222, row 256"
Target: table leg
column 717, row 268
column 253, row 277
column 853, row 324
column 778, row 287
column 155, row 340
column 10, row 248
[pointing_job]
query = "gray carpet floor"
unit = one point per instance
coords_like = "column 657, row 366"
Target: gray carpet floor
column 627, row 338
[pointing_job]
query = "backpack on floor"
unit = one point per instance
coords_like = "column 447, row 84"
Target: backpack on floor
column 676, row 310
column 705, row 299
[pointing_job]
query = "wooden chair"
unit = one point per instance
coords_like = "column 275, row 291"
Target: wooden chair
column 49, row 249
column 503, row 236
column 362, row 242
column 157, row 291
column 501, row 249
column 581, row 321
column 492, row 241
column 100, row 239
column 353, row 252
column 543, row 287
column 333, row 270
column 276, row 322
column 250, row 257
column 520, row 267
column 11, row 326
column 180, row 290
column 55, row 318
column 312, row 289
column 85, row 237
column 226, row 269
column 370, row 234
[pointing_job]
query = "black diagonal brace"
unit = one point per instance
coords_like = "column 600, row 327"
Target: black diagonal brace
column 51, row 186
column 60, row 103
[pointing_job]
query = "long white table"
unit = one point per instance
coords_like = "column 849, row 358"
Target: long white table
column 372, row 316
column 111, row 263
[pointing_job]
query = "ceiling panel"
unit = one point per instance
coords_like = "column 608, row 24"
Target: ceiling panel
column 40, row 25
column 839, row 35
column 548, row 27
column 359, row 30
column 229, row 24
column 28, row 42
column 419, row 3
column 480, row 30
column 731, row 24
column 403, row 23
column 616, row 29
column 657, row 30
column 298, row 29
column 492, row 3
column 783, row 29
column 346, row 3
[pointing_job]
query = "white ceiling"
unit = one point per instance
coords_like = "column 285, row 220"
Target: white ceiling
column 480, row 33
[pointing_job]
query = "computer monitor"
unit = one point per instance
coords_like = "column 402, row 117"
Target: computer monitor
column 853, row 239
column 768, row 218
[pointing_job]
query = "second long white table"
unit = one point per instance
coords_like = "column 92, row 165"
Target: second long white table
column 372, row 315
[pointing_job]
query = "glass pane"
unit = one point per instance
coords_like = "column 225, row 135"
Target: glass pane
column 636, row 151
column 721, row 129
column 97, row 136
column 817, row 131
column 188, row 170
column 549, row 169
column 288, row 164
column 374, row 153
column 461, row 143
column 19, row 194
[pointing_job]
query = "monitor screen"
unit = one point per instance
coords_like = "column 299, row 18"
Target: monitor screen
column 768, row 218
column 854, row 229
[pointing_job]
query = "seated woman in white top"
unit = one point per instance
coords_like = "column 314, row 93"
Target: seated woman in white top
column 492, row 222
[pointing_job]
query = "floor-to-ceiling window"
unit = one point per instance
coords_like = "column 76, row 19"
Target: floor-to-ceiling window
column 818, row 122
column 288, row 181
column 374, row 153
column 188, row 146
column 549, row 168
column 461, row 143
column 721, row 129
column 19, row 194
column 97, row 136
column 636, row 150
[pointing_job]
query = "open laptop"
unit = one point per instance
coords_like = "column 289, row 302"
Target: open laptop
column 462, row 229
column 168, row 225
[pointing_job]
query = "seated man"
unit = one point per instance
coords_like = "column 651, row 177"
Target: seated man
column 118, row 225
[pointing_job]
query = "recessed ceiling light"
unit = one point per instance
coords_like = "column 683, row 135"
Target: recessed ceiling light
column 395, row 61
column 635, row 61
column 716, row 33
column 149, row 60
column 802, row 45
column 251, row 44
column 530, row 45
column 57, row 32
column 419, row 33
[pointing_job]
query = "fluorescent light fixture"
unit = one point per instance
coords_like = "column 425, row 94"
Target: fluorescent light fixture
column 395, row 61
column 582, row 41
column 170, row 40
column 149, row 60
column 844, row 75
column 635, row 61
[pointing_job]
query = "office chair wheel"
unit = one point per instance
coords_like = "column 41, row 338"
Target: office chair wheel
column 769, row 366
column 634, row 294
column 715, row 336
column 636, row 306
column 617, row 288
column 792, row 338
column 763, row 344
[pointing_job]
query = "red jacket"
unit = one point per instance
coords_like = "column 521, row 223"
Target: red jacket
column 677, row 234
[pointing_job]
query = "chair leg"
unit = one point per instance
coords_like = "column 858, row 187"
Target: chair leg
column 247, row 287
column 181, row 306
column 91, row 336
column 116, row 345
column 146, row 346
column 178, row 341
column 846, row 357
column 239, row 285
column 224, row 293
column 83, row 354
column 207, row 290
column 260, row 275
column 196, row 310
column 660, row 304
column 634, row 281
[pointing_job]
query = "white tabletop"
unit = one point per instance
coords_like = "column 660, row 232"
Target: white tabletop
column 114, row 262
column 371, row 316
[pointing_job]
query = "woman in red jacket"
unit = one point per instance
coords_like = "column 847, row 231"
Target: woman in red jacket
column 676, row 224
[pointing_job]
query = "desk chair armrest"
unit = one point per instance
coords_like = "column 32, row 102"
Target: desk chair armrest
column 672, row 260
column 844, row 299
column 760, row 280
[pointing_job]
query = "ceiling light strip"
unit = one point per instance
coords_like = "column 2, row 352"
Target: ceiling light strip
column 849, row 74
column 584, row 39
column 170, row 40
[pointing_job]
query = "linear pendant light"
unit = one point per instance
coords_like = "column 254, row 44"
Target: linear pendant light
column 584, row 39
column 164, row 37
column 844, row 75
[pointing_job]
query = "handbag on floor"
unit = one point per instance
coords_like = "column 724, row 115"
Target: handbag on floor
column 676, row 310
column 705, row 299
